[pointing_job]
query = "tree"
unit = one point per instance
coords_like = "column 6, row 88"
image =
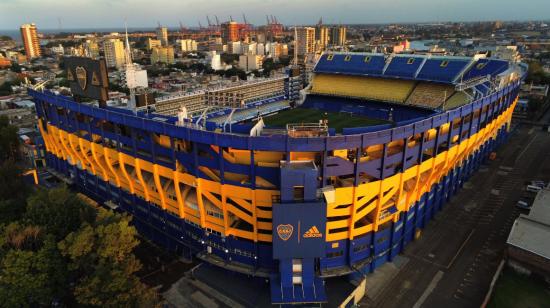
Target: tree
column 58, row 211
column 15, row 67
column 9, row 141
column 100, row 255
column 32, row 277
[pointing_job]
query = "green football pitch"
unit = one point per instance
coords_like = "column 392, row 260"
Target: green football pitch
column 336, row 120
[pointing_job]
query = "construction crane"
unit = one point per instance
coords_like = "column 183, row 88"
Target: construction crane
column 182, row 29
column 217, row 21
column 244, row 19
column 208, row 20
column 231, row 18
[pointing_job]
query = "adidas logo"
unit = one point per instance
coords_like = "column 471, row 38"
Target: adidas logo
column 313, row 232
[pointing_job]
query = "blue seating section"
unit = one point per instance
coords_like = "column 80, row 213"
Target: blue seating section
column 434, row 69
column 485, row 67
column 353, row 65
column 370, row 109
column 403, row 67
column 442, row 69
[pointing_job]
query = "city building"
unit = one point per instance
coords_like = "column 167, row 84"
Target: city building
column 322, row 36
column 338, row 36
column 162, row 55
column 152, row 43
column 230, row 32
column 171, row 105
column 215, row 61
column 305, row 40
column 162, row 35
column 234, row 47
column 114, row 53
column 133, row 76
column 4, row 62
column 528, row 248
column 30, row 40
column 250, row 62
column 260, row 49
column 187, row 45
column 91, row 49
column 248, row 49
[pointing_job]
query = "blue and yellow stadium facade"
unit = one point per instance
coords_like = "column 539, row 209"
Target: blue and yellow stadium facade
column 215, row 195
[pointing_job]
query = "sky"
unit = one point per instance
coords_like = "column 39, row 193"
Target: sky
column 97, row 14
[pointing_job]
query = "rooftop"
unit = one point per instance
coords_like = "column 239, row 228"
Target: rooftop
column 532, row 232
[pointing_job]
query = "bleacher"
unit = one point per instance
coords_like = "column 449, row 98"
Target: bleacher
column 485, row 67
column 405, row 67
column 442, row 69
column 457, row 99
column 247, row 114
column 356, row 64
column 389, row 90
column 430, row 95
column 418, row 67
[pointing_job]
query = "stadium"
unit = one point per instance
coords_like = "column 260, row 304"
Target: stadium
column 332, row 184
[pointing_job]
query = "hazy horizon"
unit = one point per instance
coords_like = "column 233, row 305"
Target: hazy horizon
column 83, row 14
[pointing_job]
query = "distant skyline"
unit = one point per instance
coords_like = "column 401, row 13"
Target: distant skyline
column 97, row 14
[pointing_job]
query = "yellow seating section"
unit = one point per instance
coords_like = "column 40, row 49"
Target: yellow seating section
column 430, row 95
column 362, row 87
column 458, row 99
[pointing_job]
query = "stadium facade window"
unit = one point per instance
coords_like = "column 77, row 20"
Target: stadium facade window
column 347, row 58
column 444, row 63
column 410, row 61
column 367, row 59
column 330, row 57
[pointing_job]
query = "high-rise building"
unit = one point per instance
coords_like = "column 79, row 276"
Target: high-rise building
column 30, row 41
column 91, row 49
column 152, row 43
column 322, row 37
column 250, row 62
column 162, row 35
column 230, row 32
column 114, row 53
column 338, row 36
column 163, row 55
column 305, row 41
column 187, row 45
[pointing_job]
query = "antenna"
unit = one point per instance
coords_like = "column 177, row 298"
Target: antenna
column 295, row 46
column 127, row 52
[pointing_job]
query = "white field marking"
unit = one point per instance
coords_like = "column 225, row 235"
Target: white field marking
column 429, row 289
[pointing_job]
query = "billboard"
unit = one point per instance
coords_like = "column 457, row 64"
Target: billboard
column 299, row 230
column 87, row 77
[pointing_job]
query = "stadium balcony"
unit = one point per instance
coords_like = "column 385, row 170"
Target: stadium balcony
column 442, row 70
column 362, row 87
column 356, row 64
column 404, row 66
column 430, row 95
column 485, row 67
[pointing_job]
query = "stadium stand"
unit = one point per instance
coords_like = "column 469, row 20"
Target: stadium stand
column 458, row 99
column 403, row 66
column 360, row 64
column 246, row 114
column 485, row 67
column 362, row 87
column 442, row 69
column 430, row 95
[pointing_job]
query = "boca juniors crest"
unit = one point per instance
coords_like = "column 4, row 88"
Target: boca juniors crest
column 285, row 231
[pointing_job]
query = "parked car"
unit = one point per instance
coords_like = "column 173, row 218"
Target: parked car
column 533, row 188
column 523, row 205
